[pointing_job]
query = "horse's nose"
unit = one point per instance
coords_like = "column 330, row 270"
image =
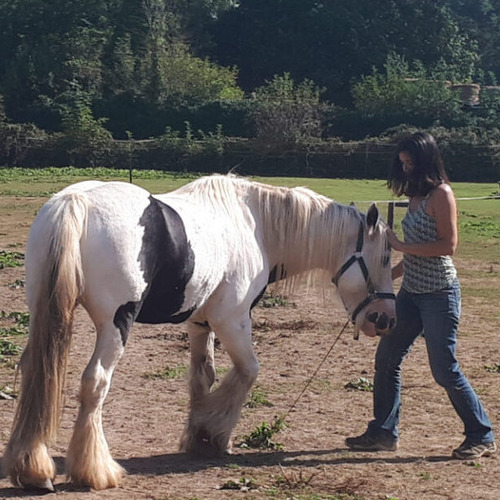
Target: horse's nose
column 382, row 322
column 372, row 318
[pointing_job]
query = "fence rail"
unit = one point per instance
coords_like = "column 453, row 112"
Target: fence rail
column 404, row 204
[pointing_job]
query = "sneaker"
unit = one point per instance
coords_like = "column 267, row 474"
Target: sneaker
column 469, row 450
column 366, row 442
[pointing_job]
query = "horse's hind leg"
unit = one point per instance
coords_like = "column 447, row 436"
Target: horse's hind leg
column 213, row 416
column 89, row 462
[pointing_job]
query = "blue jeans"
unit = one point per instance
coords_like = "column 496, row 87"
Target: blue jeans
column 436, row 315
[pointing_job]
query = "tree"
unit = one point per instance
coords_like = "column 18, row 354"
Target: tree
column 334, row 42
column 45, row 45
column 286, row 112
column 404, row 94
column 3, row 116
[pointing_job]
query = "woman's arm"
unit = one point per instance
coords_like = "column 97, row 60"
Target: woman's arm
column 443, row 208
column 397, row 270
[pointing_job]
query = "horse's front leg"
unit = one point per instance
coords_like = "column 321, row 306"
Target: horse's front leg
column 202, row 370
column 213, row 416
column 89, row 462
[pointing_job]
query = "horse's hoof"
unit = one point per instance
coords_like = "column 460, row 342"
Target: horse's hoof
column 46, row 485
column 41, row 485
column 201, row 444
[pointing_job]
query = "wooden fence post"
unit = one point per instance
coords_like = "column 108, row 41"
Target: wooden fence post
column 390, row 211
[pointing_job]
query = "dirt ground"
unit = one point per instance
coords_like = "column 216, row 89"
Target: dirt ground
column 144, row 415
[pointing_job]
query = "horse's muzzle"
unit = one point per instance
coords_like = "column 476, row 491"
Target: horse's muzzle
column 383, row 324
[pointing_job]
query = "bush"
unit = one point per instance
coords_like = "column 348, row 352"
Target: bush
column 402, row 95
column 286, row 112
column 16, row 141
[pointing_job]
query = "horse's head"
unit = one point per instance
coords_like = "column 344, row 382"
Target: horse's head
column 364, row 282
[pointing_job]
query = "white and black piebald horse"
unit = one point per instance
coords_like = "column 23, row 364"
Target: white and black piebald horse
column 203, row 254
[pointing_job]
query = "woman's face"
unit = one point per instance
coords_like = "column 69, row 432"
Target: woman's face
column 406, row 162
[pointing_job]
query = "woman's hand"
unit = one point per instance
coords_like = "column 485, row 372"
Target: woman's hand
column 393, row 240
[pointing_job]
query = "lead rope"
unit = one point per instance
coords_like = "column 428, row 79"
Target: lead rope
column 311, row 378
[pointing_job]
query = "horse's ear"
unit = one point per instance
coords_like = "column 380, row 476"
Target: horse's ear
column 352, row 204
column 372, row 218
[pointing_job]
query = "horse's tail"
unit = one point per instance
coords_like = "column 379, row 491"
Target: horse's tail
column 54, row 281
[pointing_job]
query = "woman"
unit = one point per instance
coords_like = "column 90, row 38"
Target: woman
column 428, row 303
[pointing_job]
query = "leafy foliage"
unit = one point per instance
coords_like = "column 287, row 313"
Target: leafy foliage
column 402, row 93
column 494, row 368
column 287, row 112
column 360, row 384
column 11, row 259
column 243, row 484
column 262, row 436
column 8, row 348
column 270, row 299
column 21, row 318
column 17, row 326
column 7, row 392
column 168, row 373
column 257, row 398
column 92, row 67
column 333, row 43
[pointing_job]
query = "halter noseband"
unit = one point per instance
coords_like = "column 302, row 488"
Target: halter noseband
column 358, row 257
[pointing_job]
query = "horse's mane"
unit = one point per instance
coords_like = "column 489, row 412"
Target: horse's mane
column 294, row 220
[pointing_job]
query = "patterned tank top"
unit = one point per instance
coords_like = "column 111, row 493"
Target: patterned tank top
column 424, row 274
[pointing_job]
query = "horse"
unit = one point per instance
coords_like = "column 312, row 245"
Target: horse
column 203, row 254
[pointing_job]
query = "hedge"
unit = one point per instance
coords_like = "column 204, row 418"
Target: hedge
column 369, row 159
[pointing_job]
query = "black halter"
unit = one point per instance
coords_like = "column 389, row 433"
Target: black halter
column 358, row 257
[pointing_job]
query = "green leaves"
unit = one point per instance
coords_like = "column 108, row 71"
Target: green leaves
column 17, row 326
column 360, row 384
column 263, row 435
column 288, row 112
column 168, row 373
column 11, row 259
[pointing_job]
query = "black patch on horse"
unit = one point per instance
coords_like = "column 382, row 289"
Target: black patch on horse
column 167, row 263
column 273, row 277
column 259, row 296
column 124, row 317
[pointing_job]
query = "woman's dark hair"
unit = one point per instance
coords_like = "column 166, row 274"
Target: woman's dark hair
column 428, row 168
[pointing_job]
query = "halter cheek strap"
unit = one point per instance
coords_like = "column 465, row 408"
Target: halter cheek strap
column 358, row 257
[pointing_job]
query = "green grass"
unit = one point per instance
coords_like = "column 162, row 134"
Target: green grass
column 360, row 384
column 262, row 437
column 494, row 368
column 8, row 348
column 168, row 373
column 11, row 259
column 21, row 318
column 271, row 300
column 257, row 398
column 46, row 181
column 243, row 484
column 17, row 326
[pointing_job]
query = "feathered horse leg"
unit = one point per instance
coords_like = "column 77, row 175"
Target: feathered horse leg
column 89, row 461
column 214, row 415
column 54, row 283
